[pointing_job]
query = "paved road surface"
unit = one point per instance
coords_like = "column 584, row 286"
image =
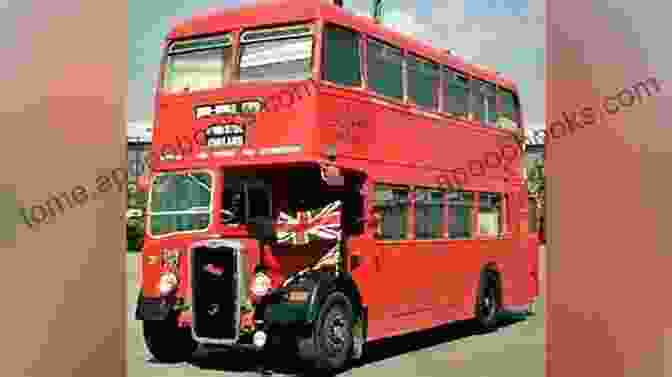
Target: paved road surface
column 515, row 349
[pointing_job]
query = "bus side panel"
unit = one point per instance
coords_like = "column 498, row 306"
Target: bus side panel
column 477, row 255
column 529, row 247
column 508, row 263
column 514, row 257
column 533, row 250
column 365, row 271
column 138, row 270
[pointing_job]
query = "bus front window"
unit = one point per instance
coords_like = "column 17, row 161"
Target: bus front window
column 280, row 54
column 180, row 203
column 198, row 64
column 273, row 54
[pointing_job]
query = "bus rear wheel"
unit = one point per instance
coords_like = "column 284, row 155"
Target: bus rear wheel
column 333, row 338
column 488, row 301
column 167, row 342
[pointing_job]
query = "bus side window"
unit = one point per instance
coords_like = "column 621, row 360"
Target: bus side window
column 489, row 95
column 476, row 101
column 490, row 213
column 455, row 93
column 483, row 105
column 342, row 59
column 509, row 111
column 392, row 204
column 428, row 214
column 422, row 77
column 460, row 209
column 384, row 69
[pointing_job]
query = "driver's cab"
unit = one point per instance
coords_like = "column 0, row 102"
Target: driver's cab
column 243, row 198
column 311, row 218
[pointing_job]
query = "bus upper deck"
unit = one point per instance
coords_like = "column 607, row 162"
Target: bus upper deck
column 362, row 91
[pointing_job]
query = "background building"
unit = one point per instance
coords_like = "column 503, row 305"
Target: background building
column 534, row 149
column 139, row 137
column 534, row 164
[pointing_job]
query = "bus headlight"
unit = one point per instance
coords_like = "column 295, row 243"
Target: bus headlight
column 167, row 283
column 259, row 339
column 262, row 284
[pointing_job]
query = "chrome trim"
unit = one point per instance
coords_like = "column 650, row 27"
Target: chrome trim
column 237, row 248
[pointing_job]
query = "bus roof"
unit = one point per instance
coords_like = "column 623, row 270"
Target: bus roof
column 278, row 12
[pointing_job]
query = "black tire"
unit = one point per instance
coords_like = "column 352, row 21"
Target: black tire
column 332, row 334
column 167, row 342
column 488, row 300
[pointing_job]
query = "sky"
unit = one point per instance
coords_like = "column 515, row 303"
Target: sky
column 508, row 35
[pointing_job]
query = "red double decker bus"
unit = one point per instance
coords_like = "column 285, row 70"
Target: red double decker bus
column 316, row 222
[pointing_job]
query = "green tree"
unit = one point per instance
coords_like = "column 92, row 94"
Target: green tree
column 136, row 199
column 135, row 226
column 536, row 180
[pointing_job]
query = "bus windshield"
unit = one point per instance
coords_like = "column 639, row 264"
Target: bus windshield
column 273, row 54
column 180, row 203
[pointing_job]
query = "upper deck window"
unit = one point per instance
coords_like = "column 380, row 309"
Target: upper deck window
column 278, row 54
column 199, row 63
column 384, row 69
column 342, row 63
column 489, row 91
column 509, row 111
column 455, row 93
column 483, row 102
column 423, row 82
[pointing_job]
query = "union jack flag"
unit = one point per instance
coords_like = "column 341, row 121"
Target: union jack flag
column 324, row 223
column 331, row 258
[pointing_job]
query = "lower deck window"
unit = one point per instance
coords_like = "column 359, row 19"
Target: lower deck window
column 490, row 214
column 392, row 205
column 428, row 214
column 460, row 207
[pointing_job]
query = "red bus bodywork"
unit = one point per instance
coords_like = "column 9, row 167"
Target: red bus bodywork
column 408, row 284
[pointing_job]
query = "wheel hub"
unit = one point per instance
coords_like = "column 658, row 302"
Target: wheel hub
column 488, row 302
column 336, row 332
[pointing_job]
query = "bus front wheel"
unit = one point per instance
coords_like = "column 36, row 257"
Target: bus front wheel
column 167, row 342
column 333, row 337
